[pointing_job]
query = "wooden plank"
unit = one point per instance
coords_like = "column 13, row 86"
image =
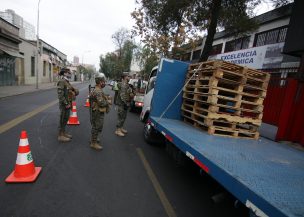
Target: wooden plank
column 199, row 113
column 226, row 132
column 188, row 95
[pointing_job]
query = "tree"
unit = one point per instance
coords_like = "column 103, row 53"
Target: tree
column 119, row 39
column 165, row 24
column 162, row 24
column 114, row 63
column 87, row 71
column 127, row 54
column 147, row 60
column 108, row 65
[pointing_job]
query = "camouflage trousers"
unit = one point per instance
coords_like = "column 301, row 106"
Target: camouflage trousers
column 122, row 115
column 97, row 124
column 64, row 117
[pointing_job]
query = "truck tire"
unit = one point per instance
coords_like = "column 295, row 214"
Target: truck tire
column 149, row 133
column 152, row 136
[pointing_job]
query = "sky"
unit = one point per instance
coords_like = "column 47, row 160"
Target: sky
column 80, row 28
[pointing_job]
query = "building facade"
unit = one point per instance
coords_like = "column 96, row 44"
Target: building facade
column 261, row 49
column 9, row 53
column 26, row 30
column 50, row 62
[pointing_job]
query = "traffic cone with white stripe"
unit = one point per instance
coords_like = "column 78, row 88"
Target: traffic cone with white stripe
column 87, row 104
column 73, row 120
column 25, row 170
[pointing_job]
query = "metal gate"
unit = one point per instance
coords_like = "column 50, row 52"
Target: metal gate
column 7, row 70
column 284, row 107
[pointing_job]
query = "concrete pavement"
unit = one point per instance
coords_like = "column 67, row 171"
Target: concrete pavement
column 6, row 91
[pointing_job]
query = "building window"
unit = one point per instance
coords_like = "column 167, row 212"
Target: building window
column 216, row 49
column 50, row 67
column 237, row 44
column 32, row 66
column 44, row 68
column 196, row 55
column 270, row 37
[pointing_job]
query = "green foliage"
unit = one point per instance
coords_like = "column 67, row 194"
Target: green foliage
column 114, row 63
column 147, row 60
column 167, row 24
column 87, row 71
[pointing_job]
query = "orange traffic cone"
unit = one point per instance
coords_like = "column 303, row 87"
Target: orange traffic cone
column 87, row 104
column 25, row 170
column 73, row 120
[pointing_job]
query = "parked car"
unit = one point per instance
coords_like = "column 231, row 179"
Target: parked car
column 138, row 101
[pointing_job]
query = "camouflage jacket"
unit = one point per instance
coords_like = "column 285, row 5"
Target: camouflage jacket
column 99, row 100
column 125, row 93
column 66, row 92
column 63, row 92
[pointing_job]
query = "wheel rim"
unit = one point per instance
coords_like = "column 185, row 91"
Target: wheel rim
column 147, row 130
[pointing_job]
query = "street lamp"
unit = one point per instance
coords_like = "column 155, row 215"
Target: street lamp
column 37, row 71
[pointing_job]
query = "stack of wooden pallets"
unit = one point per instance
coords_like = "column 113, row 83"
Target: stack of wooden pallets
column 225, row 99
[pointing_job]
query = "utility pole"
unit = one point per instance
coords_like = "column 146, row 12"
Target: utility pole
column 37, row 57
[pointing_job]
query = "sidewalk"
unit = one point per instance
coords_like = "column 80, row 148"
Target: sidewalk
column 6, row 91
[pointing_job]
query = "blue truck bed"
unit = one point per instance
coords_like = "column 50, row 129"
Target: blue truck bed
column 266, row 176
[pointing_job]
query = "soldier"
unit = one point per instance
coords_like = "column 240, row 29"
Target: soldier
column 100, row 105
column 123, row 100
column 66, row 93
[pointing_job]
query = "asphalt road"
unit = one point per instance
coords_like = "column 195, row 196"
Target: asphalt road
column 127, row 178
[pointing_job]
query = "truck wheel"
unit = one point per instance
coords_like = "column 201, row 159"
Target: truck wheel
column 152, row 136
column 149, row 133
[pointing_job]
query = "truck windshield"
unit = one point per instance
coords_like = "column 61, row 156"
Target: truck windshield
column 151, row 84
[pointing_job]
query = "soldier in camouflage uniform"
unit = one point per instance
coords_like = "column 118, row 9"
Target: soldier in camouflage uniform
column 100, row 105
column 66, row 93
column 123, row 100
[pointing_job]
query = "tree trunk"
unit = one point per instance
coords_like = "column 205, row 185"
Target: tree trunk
column 215, row 11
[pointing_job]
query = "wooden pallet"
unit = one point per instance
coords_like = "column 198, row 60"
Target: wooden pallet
column 236, row 101
column 256, row 109
column 211, row 83
column 200, row 114
column 217, row 73
column 188, row 95
column 220, row 101
column 221, row 69
column 231, row 67
column 252, row 113
column 219, row 64
column 228, row 130
column 224, row 99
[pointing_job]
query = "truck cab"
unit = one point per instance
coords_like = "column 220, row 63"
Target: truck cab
column 148, row 95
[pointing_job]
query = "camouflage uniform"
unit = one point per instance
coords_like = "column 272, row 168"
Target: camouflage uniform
column 64, row 89
column 123, row 102
column 100, row 106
